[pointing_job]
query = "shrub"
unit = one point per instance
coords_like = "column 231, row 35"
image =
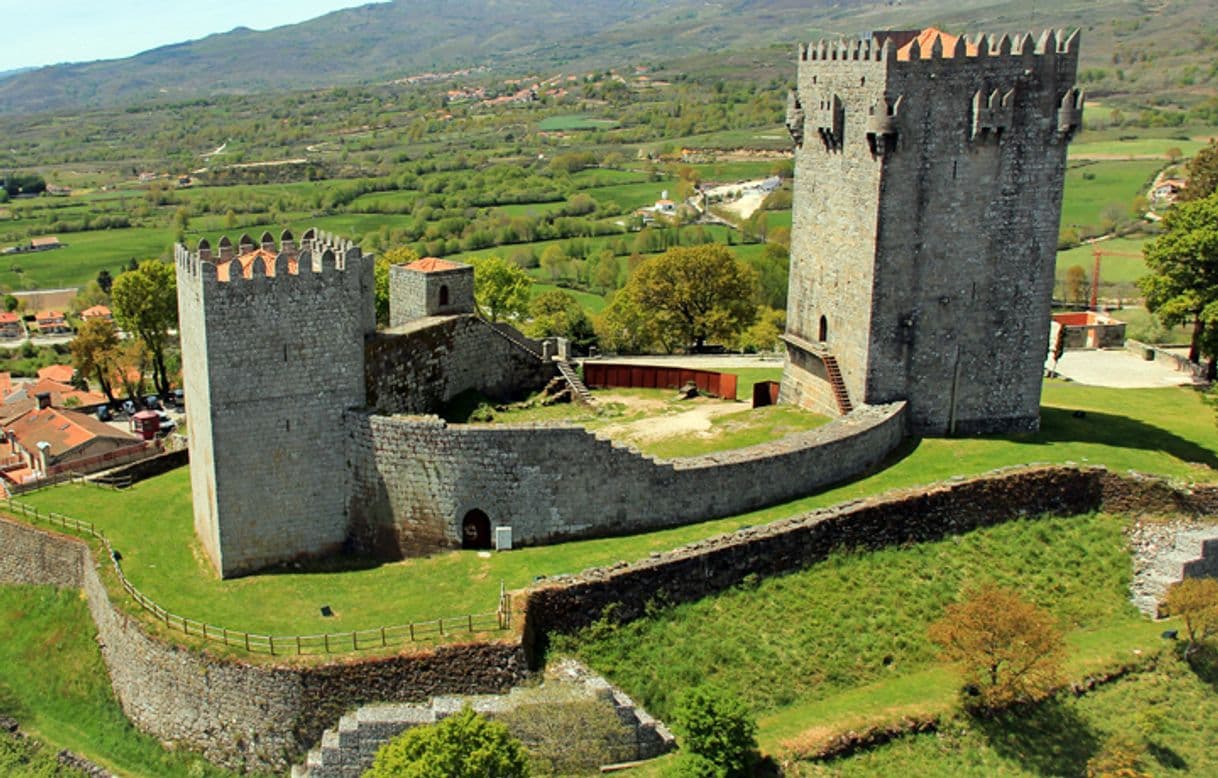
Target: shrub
column 464, row 745
column 1011, row 650
column 717, row 732
column 1195, row 600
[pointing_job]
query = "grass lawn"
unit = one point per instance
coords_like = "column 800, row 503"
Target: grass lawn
column 631, row 196
column 1168, row 431
column 1090, row 188
column 67, row 702
column 604, row 176
column 592, row 303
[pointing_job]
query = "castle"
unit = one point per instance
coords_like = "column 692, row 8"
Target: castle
column 928, row 192
column 928, row 186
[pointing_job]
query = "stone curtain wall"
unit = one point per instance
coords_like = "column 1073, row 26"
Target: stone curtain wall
column 419, row 367
column 415, row 478
column 240, row 715
column 264, row 718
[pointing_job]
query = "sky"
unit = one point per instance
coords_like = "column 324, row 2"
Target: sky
column 46, row 32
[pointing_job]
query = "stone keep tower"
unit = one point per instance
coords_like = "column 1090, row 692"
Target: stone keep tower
column 928, row 190
column 272, row 354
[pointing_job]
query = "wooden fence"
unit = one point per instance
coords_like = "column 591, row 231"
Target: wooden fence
column 279, row 645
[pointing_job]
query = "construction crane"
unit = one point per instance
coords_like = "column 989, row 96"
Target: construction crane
column 1099, row 254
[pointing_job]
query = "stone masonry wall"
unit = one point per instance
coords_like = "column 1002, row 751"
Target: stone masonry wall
column 240, row 715
column 415, row 294
column 273, row 362
column 258, row 717
column 415, row 478
column 418, row 367
column 913, row 516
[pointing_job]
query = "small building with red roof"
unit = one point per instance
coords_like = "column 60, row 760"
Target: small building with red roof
column 430, row 287
column 59, row 373
column 97, row 312
column 51, row 323
column 10, row 325
column 46, row 441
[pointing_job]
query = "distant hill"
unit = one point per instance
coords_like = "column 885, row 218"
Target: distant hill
column 391, row 40
column 16, row 71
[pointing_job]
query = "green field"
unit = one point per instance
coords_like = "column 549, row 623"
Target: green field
column 592, row 303
column 1114, row 269
column 1093, row 188
column 85, row 254
column 575, row 122
column 1134, row 147
column 53, row 681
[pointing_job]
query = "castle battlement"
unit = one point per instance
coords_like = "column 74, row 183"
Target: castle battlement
column 884, row 47
column 317, row 253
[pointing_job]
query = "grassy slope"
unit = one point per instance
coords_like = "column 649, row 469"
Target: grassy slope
column 1165, row 431
column 858, row 619
column 1173, row 708
column 68, row 702
column 1114, row 184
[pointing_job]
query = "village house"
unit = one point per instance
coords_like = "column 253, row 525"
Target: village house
column 46, row 441
column 51, row 323
column 10, row 325
column 45, row 243
column 97, row 312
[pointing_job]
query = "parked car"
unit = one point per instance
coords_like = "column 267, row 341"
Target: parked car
column 152, row 402
column 179, row 398
column 129, row 407
column 103, row 413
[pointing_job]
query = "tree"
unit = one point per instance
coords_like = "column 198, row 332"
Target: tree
column 146, row 304
column 553, row 260
column 1195, row 600
column 500, row 288
column 558, row 313
column 1010, row 650
column 464, row 745
column 696, row 293
column 1182, row 285
column 772, row 266
column 88, row 297
column 11, row 303
column 129, row 367
column 1202, row 173
column 1075, row 288
column 401, row 255
column 717, row 731
column 94, row 350
column 104, row 280
column 1121, row 757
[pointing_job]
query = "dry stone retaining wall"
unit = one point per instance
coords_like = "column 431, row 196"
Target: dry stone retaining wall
column 260, row 717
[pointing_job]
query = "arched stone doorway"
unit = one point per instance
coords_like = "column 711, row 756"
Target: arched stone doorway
column 476, row 530
column 443, row 294
column 824, row 329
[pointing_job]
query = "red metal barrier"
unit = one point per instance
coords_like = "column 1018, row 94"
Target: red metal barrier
column 606, row 374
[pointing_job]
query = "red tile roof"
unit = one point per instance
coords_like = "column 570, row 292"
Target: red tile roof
column 7, row 317
column 61, row 373
column 63, row 430
column 926, row 40
column 49, row 316
column 96, row 312
column 432, row 265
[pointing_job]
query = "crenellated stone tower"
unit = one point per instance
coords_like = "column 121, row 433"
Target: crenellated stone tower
column 272, row 355
column 928, row 193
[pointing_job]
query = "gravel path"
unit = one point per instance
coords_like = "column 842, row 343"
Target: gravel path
column 1160, row 550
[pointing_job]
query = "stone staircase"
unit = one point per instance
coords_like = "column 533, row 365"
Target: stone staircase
column 348, row 750
column 1165, row 554
column 567, row 371
column 839, row 386
column 517, row 342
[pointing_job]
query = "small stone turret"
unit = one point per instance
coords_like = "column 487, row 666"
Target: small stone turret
column 429, row 287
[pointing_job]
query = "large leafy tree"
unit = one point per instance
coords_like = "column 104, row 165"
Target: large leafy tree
column 464, row 745
column 1195, row 602
column 558, row 313
column 146, row 304
column 501, row 289
column 1010, row 650
column 718, row 734
column 93, row 352
column 1182, row 286
column 1203, row 173
column 695, row 294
